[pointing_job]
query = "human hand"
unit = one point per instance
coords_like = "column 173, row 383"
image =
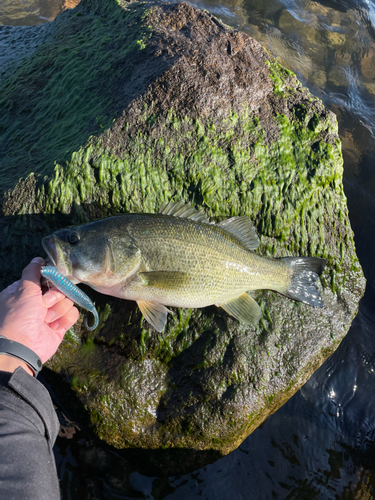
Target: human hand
column 38, row 321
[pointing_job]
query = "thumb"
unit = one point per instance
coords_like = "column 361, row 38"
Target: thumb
column 13, row 287
column 31, row 273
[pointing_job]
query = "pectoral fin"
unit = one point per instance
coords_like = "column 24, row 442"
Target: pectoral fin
column 244, row 308
column 165, row 280
column 155, row 314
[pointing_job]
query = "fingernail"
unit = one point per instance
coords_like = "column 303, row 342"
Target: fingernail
column 50, row 316
column 37, row 260
column 49, row 299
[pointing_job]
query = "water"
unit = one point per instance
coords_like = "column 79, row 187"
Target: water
column 31, row 12
column 321, row 444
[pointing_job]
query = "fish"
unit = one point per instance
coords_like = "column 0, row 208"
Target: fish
column 178, row 258
column 71, row 291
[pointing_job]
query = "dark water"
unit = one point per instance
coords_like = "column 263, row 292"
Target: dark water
column 321, row 444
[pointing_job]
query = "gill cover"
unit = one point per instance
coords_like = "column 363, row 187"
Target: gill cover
column 88, row 254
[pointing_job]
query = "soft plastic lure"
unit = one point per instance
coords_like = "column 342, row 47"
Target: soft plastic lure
column 71, row 291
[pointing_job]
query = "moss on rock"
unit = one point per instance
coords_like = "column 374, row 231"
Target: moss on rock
column 190, row 109
column 54, row 100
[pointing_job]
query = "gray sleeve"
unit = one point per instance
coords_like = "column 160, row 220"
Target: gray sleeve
column 28, row 430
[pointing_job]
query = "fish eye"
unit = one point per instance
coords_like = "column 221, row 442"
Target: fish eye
column 72, row 238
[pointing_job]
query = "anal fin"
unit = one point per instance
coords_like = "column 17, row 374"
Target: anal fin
column 155, row 314
column 244, row 308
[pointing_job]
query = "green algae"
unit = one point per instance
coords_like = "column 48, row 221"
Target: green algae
column 299, row 176
column 54, row 101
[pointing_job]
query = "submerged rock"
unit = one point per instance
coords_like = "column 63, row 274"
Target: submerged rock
column 122, row 106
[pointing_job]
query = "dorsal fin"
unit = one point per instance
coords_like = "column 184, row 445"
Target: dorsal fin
column 243, row 228
column 183, row 210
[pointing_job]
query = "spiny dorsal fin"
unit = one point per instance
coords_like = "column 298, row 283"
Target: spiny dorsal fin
column 243, row 228
column 244, row 308
column 183, row 210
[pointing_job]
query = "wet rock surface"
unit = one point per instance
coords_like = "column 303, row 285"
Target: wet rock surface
column 135, row 103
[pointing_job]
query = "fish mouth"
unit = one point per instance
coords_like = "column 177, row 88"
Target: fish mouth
column 49, row 246
column 58, row 254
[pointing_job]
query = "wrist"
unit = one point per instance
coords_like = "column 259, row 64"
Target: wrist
column 21, row 353
column 10, row 364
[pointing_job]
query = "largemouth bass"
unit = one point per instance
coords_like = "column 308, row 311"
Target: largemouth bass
column 178, row 258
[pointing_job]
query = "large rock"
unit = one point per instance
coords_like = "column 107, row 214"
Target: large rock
column 121, row 106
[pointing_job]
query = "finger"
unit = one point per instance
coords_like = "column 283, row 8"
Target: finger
column 51, row 297
column 13, row 287
column 31, row 275
column 59, row 309
column 63, row 324
column 68, row 320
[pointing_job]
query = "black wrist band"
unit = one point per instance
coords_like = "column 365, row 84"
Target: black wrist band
column 20, row 351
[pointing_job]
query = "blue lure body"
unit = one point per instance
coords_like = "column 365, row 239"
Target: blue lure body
column 71, row 291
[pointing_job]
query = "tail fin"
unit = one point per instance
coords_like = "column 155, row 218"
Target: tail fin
column 305, row 272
